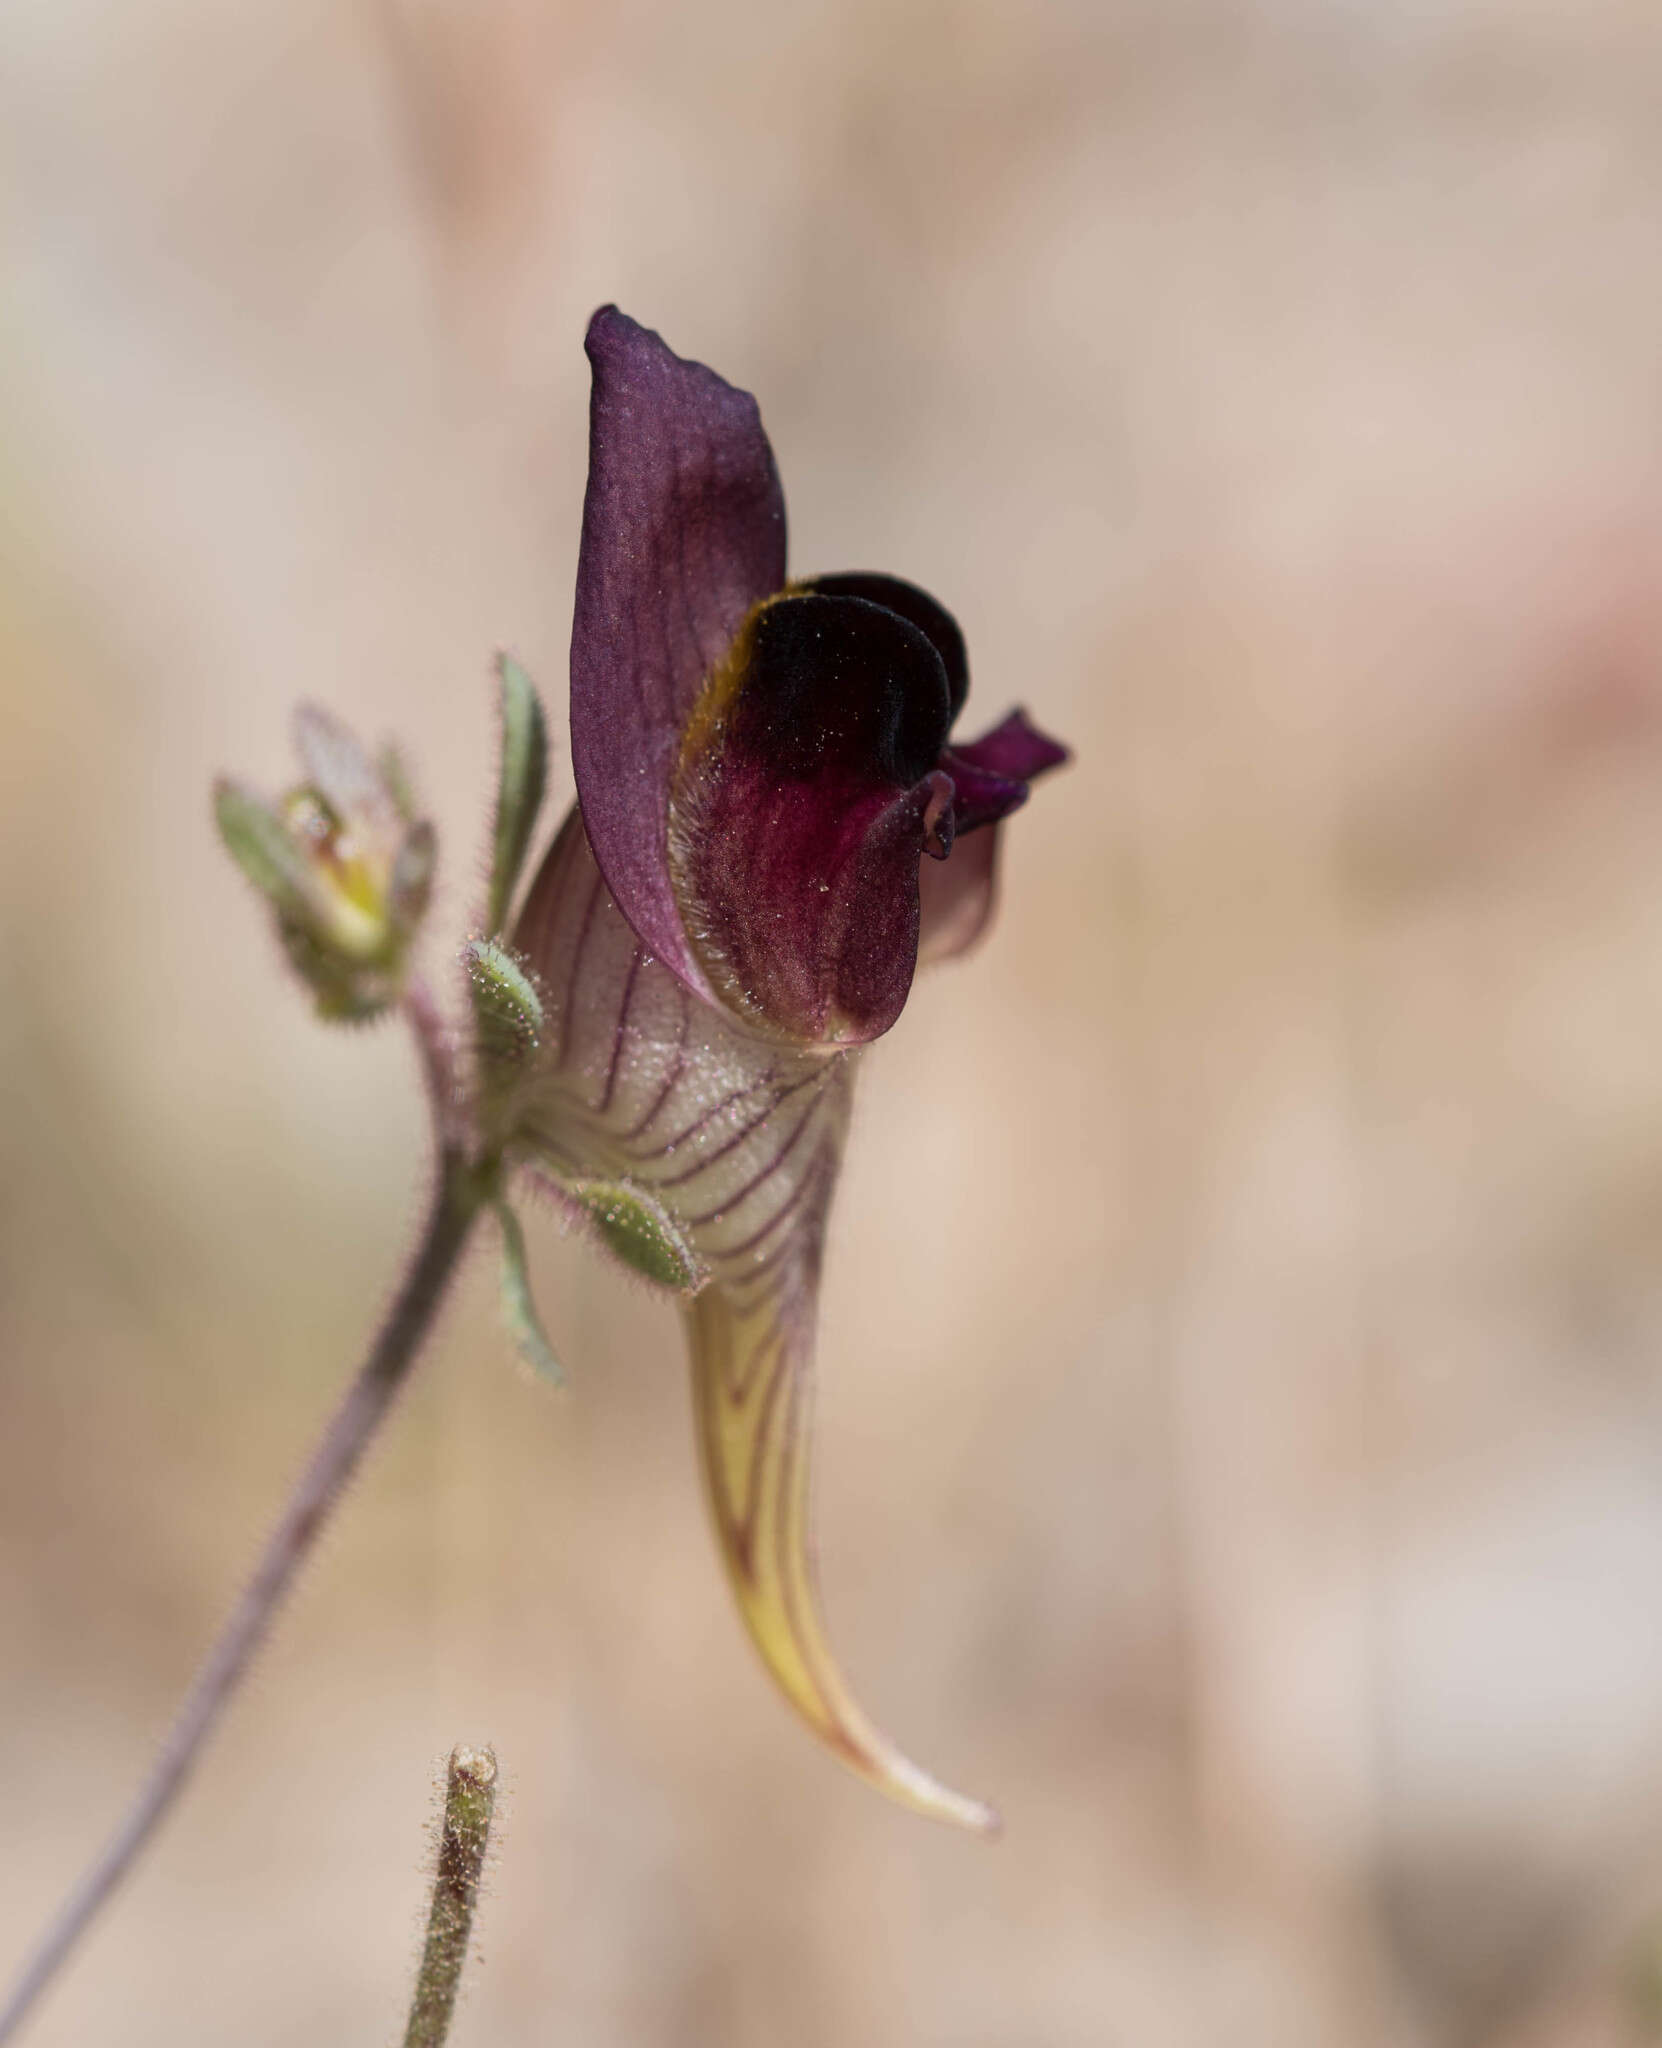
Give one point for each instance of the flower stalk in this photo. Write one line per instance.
(464, 1836)
(345, 868)
(461, 1191)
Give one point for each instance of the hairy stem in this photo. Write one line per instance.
(436, 1045)
(469, 1801)
(455, 1208)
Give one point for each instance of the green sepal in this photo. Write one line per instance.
(520, 785)
(519, 1309)
(506, 1007)
(260, 844)
(641, 1232)
(345, 991)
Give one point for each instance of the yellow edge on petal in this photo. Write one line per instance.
(751, 1394)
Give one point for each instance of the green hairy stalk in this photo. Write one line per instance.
(469, 1802)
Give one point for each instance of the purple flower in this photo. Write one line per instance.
(773, 828)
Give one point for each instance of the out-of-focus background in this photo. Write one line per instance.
(1241, 1426)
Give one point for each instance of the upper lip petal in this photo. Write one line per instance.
(683, 532)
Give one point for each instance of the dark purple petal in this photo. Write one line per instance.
(808, 791)
(1014, 751)
(989, 779)
(980, 799)
(956, 896)
(683, 533)
(918, 609)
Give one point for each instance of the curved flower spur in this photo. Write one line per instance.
(772, 829)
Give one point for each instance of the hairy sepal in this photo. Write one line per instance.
(522, 776)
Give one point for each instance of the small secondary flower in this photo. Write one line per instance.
(343, 861)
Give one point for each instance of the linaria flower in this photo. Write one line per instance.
(773, 827)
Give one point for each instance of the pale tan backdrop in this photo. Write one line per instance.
(1242, 1403)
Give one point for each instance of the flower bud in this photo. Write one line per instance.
(345, 865)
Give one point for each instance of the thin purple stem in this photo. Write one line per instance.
(436, 1044)
(461, 1193)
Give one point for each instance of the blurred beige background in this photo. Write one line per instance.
(1241, 1428)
